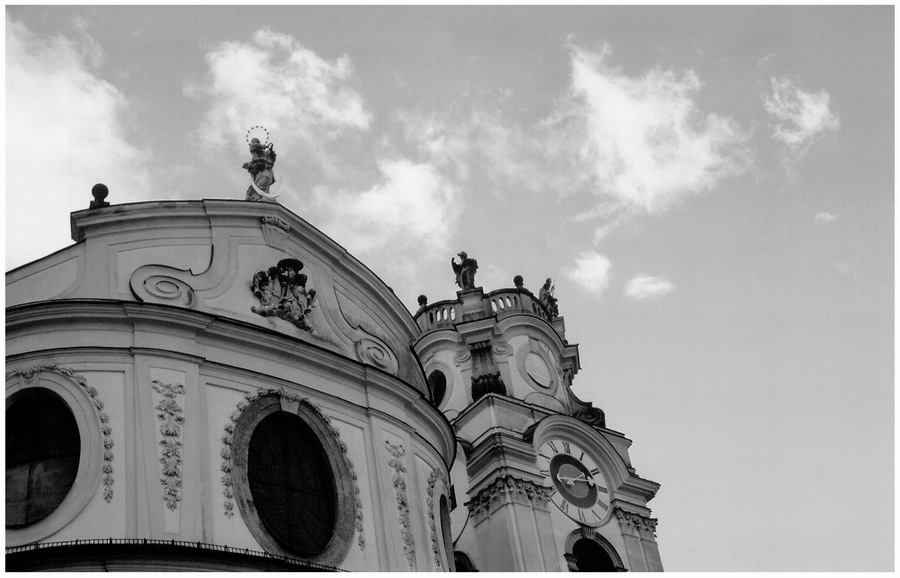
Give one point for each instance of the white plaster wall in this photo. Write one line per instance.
(100, 519)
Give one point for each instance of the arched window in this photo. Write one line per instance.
(592, 557)
(437, 383)
(463, 562)
(588, 551)
(43, 448)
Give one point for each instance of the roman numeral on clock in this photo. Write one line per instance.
(564, 507)
(567, 448)
(581, 515)
(545, 472)
(602, 505)
(553, 447)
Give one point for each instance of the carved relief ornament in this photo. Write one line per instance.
(396, 452)
(435, 477)
(171, 420)
(641, 524)
(508, 490)
(282, 293)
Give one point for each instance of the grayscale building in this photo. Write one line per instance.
(216, 384)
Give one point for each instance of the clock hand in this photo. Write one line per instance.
(581, 478)
(565, 480)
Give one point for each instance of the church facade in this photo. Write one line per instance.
(217, 384)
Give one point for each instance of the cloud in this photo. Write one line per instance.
(649, 288)
(591, 271)
(413, 207)
(275, 82)
(825, 217)
(65, 130)
(647, 144)
(798, 116)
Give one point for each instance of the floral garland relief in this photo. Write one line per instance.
(396, 452)
(226, 453)
(432, 524)
(171, 421)
(28, 374)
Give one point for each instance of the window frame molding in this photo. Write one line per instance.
(90, 461)
(253, 413)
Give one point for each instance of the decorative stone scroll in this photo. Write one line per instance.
(592, 416)
(282, 293)
(28, 374)
(396, 452)
(507, 490)
(171, 420)
(436, 476)
(226, 453)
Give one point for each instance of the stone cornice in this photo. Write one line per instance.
(639, 524)
(507, 490)
(279, 352)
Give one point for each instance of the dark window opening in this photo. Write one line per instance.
(463, 563)
(43, 447)
(292, 483)
(592, 557)
(437, 383)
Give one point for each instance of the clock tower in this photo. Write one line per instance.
(540, 483)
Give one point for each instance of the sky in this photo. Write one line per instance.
(710, 189)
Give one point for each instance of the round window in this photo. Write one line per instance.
(292, 483)
(292, 480)
(43, 449)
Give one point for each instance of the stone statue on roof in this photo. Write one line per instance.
(465, 271)
(260, 167)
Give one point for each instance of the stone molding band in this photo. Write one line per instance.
(508, 490)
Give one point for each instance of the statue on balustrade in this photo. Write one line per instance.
(545, 296)
(465, 271)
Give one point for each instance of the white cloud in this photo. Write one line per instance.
(825, 217)
(65, 131)
(413, 207)
(591, 271)
(798, 115)
(647, 144)
(275, 82)
(645, 287)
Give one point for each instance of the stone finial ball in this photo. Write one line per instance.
(423, 301)
(518, 280)
(100, 191)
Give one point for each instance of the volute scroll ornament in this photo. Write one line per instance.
(282, 293)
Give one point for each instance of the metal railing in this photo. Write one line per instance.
(177, 543)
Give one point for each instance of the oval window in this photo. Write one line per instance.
(292, 483)
(43, 447)
(437, 383)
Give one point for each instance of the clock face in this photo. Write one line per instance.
(580, 490)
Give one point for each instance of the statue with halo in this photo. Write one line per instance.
(260, 167)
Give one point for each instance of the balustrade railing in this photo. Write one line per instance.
(500, 303)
